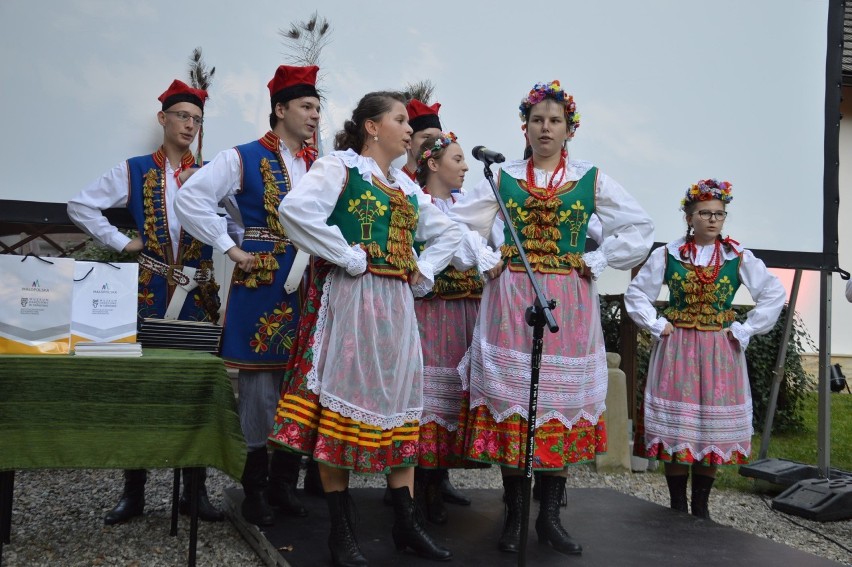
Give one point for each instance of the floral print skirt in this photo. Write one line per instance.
(556, 446)
(697, 407)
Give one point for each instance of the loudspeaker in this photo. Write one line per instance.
(779, 471)
(817, 499)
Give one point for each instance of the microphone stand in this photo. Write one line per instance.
(537, 316)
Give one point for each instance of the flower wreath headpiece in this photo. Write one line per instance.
(706, 190)
(554, 91)
(442, 141)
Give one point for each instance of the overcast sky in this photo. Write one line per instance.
(669, 91)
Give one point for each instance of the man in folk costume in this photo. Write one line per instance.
(175, 270)
(262, 317)
(424, 122)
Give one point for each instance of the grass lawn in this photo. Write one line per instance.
(802, 446)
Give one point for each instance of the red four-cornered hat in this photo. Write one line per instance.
(179, 91)
(421, 116)
(293, 82)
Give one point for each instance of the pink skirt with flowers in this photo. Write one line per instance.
(446, 327)
(697, 406)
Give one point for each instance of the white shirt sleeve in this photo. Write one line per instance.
(442, 237)
(643, 292)
(849, 290)
(198, 200)
(477, 209)
(306, 208)
(108, 191)
(626, 229)
(768, 294)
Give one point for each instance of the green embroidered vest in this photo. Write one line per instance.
(695, 305)
(382, 220)
(552, 230)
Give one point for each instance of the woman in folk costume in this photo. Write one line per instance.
(175, 270)
(424, 123)
(550, 200)
(697, 403)
(446, 318)
(262, 316)
(355, 398)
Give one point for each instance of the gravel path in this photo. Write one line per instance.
(58, 519)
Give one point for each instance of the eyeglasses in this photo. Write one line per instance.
(184, 116)
(716, 215)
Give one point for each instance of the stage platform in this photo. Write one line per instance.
(618, 531)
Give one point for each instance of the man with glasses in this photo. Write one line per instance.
(263, 310)
(175, 270)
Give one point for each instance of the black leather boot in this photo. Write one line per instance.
(408, 531)
(255, 509)
(313, 483)
(701, 486)
(536, 490)
(449, 492)
(677, 491)
(427, 493)
(342, 541)
(513, 498)
(132, 501)
(206, 511)
(548, 526)
(283, 478)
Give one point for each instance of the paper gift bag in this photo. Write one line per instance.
(35, 304)
(103, 306)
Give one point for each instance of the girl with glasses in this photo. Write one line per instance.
(697, 405)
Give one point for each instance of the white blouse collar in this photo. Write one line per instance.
(368, 168)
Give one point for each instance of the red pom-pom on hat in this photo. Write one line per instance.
(179, 91)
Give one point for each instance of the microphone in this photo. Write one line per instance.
(487, 156)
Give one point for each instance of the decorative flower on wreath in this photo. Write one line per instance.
(706, 190)
(441, 142)
(555, 92)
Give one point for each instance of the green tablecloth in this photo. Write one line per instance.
(165, 409)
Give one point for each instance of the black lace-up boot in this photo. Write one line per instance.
(408, 529)
(548, 526)
(342, 542)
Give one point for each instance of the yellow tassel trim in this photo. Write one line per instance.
(262, 274)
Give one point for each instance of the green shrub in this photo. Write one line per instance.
(93, 251)
(761, 355)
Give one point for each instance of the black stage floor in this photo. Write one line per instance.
(618, 530)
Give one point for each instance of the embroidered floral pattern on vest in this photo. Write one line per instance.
(542, 219)
(269, 330)
(366, 208)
